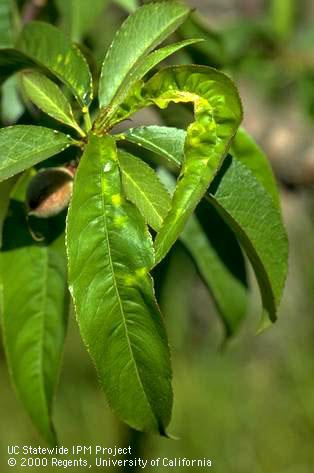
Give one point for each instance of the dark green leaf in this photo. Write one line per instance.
(139, 35)
(110, 253)
(228, 291)
(220, 262)
(245, 149)
(47, 96)
(47, 46)
(34, 299)
(176, 278)
(23, 146)
(250, 211)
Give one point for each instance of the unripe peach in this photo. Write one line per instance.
(49, 192)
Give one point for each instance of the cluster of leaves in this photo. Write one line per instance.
(125, 215)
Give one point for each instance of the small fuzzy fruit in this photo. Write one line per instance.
(49, 192)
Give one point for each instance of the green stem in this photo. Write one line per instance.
(87, 121)
(80, 131)
(79, 144)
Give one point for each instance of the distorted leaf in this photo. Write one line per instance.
(218, 113)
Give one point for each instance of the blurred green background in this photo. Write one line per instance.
(248, 405)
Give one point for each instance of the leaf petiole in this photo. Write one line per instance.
(80, 131)
(87, 120)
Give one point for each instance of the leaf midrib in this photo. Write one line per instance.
(119, 298)
(43, 312)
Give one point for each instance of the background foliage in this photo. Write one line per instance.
(251, 407)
